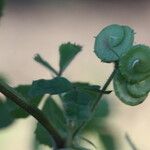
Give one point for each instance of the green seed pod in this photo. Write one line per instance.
(135, 64)
(112, 42)
(120, 87)
(139, 89)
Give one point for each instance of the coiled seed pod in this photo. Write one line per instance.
(124, 93)
(112, 42)
(139, 89)
(135, 64)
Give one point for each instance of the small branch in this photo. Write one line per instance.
(10, 93)
(104, 89)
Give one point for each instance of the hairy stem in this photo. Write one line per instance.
(35, 112)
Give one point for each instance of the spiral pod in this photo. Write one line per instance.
(112, 42)
(132, 81)
(124, 93)
(139, 89)
(135, 65)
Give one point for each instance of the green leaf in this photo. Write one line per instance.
(15, 110)
(87, 86)
(78, 104)
(96, 125)
(42, 135)
(44, 63)
(57, 85)
(57, 119)
(113, 42)
(67, 53)
(96, 121)
(102, 110)
(6, 118)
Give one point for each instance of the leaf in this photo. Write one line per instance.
(113, 42)
(6, 118)
(44, 63)
(94, 90)
(57, 85)
(57, 119)
(67, 53)
(102, 110)
(96, 121)
(78, 104)
(87, 86)
(96, 126)
(42, 135)
(15, 110)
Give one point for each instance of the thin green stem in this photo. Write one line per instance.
(35, 112)
(104, 89)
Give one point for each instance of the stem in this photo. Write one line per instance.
(35, 112)
(104, 89)
(96, 104)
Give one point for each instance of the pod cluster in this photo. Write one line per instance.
(132, 80)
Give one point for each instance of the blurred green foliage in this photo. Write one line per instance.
(76, 99)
